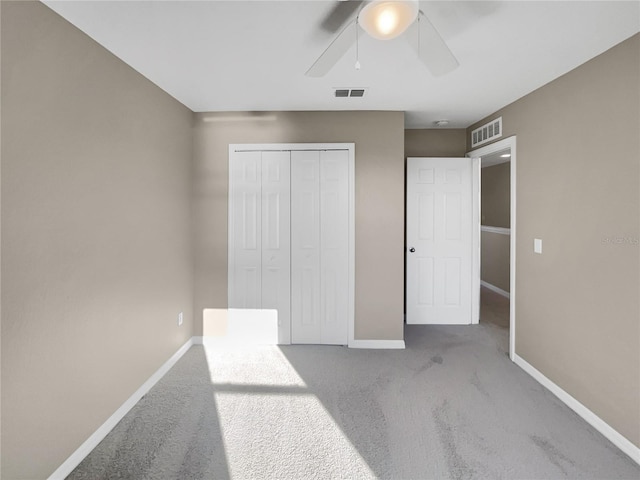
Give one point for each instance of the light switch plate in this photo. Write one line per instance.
(537, 245)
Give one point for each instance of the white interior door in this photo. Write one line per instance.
(319, 247)
(439, 241)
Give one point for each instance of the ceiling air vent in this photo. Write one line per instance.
(349, 92)
(487, 132)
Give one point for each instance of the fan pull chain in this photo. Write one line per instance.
(419, 20)
(357, 65)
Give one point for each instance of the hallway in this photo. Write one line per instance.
(494, 308)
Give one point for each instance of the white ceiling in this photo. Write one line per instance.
(252, 55)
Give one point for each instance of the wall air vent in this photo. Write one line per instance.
(349, 92)
(487, 132)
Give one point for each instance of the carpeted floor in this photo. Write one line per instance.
(451, 405)
(494, 308)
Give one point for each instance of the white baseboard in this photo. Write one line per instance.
(591, 418)
(377, 344)
(500, 230)
(92, 442)
(373, 344)
(493, 288)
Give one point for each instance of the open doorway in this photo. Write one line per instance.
(495, 230)
(496, 289)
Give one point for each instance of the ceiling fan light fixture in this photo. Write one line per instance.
(386, 19)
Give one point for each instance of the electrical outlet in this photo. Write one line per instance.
(180, 319)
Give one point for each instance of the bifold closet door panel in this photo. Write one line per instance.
(246, 187)
(276, 255)
(319, 247)
(334, 244)
(305, 247)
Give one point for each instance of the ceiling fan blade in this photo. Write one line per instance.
(340, 14)
(432, 49)
(334, 52)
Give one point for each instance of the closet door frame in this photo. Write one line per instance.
(290, 147)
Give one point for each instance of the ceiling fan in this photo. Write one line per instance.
(384, 20)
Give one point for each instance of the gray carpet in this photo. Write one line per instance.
(451, 405)
(494, 308)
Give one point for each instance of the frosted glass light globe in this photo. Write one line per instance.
(386, 19)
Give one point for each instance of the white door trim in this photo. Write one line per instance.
(509, 142)
(350, 147)
(475, 238)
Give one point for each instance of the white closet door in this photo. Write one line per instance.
(259, 267)
(305, 247)
(334, 241)
(245, 188)
(319, 247)
(276, 259)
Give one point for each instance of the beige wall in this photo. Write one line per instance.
(578, 169)
(379, 212)
(96, 252)
(96, 229)
(494, 259)
(435, 142)
(496, 195)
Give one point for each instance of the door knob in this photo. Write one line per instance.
(412, 249)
